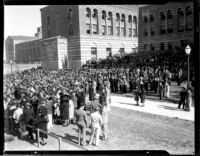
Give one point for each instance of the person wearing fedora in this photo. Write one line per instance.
(81, 120)
(96, 122)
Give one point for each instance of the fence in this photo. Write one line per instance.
(60, 140)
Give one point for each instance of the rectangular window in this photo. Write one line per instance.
(170, 28)
(129, 32)
(48, 20)
(94, 29)
(117, 31)
(93, 52)
(181, 24)
(162, 46)
(134, 32)
(169, 45)
(163, 29)
(188, 23)
(123, 31)
(152, 31)
(109, 30)
(88, 28)
(103, 30)
(108, 52)
(145, 32)
(121, 51)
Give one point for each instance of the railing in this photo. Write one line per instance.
(57, 137)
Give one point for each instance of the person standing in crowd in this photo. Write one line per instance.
(19, 120)
(96, 122)
(71, 110)
(41, 121)
(29, 116)
(49, 105)
(81, 120)
(183, 95)
(167, 88)
(161, 89)
(104, 113)
(65, 108)
(108, 96)
(91, 92)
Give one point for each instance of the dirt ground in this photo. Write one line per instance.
(132, 130)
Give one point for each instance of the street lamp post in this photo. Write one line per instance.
(188, 50)
(11, 65)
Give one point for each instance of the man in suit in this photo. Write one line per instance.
(81, 120)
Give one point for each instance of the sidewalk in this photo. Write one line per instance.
(160, 108)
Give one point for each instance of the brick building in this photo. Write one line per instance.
(28, 52)
(165, 27)
(92, 31)
(10, 43)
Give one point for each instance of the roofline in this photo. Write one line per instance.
(54, 37)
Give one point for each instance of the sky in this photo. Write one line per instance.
(21, 20)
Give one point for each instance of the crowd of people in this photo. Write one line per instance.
(40, 98)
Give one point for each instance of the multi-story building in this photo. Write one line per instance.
(10, 43)
(28, 52)
(92, 31)
(166, 27)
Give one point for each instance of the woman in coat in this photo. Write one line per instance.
(91, 93)
(65, 110)
(41, 122)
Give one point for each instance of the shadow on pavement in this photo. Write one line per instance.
(131, 104)
(168, 107)
(157, 99)
(67, 137)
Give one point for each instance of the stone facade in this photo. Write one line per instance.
(93, 31)
(167, 26)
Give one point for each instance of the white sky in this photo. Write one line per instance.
(21, 20)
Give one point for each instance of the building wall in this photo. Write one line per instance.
(60, 20)
(102, 42)
(79, 41)
(28, 52)
(9, 47)
(174, 38)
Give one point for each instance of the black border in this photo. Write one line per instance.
(137, 2)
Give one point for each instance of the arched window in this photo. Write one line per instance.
(134, 26)
(108, 50)
(88, 21)
(110, 23)
(151, 18)
(95, 22)
(162, 23)
(123, 29)
(129, 26)
(169, 14)
(117, 24)
(162, 16)
(188, 18)
(169, 21)
(180, 20)
(104, 22)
